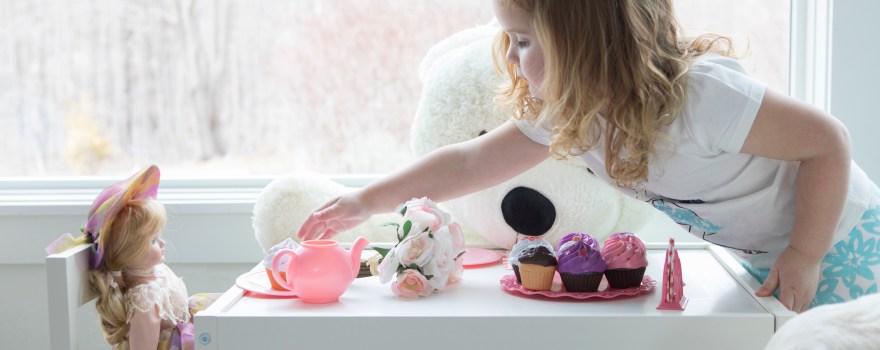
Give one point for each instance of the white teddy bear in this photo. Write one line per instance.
(854, 324)
(284, 204)
(456, 104)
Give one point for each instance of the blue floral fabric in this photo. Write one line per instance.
(851, 267)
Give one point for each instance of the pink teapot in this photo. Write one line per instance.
(319, 271)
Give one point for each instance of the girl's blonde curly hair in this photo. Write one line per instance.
(623, 58)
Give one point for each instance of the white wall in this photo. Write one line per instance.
(855, 78)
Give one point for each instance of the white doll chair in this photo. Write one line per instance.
(67, 279)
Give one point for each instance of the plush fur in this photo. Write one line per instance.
(284, 204)
(851, 325)
(456, 104)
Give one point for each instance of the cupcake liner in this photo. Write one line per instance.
(537, 277)
(581, 282)
(516, 272)
(625, 278)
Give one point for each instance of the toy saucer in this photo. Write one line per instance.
(258, 282)
(477, 257)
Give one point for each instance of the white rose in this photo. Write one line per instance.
(443, 261)
(417, 248)
(388, 267)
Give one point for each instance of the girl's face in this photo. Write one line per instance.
(524, 51)
(155, 255)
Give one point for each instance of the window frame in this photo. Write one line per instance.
(39, 210)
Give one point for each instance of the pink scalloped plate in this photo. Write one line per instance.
(557, 290)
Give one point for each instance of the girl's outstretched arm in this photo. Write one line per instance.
(448, 172)
(787, 129)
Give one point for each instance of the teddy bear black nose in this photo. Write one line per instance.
(528, 212)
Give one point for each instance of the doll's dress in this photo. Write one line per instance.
(167, 293)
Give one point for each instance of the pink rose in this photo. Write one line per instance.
(425, 213)
(410, 284)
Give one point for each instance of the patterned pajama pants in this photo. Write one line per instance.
(851, 267)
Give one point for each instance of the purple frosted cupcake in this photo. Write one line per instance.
(580, 263)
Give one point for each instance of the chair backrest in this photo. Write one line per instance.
(67, 279)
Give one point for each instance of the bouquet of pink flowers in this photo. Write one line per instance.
(428, 255)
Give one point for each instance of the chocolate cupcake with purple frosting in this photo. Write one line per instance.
(580, 263)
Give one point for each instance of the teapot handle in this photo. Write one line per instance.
(287, 283)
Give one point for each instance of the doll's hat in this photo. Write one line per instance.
(142, 185)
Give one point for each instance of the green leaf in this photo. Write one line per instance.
(403, 210)
(406, 227)
(414, 266)
(428, 277)
(382, 251)
(396, 225)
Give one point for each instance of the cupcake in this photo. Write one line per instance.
(282, 266)
(580, 262)
(513, 256)
(537, 266)
(625, 260)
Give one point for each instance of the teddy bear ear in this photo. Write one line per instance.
(449, 46)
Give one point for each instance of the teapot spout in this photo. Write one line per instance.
(356, 248)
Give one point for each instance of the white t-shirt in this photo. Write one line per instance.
(701, 181)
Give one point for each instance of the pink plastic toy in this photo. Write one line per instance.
(673, 287)
(320, 270)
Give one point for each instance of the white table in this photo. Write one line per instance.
(722, 313)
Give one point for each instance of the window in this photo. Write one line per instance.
(235, 88)
(215, 87)
(759, 29)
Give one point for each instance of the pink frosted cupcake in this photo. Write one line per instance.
(626, 259)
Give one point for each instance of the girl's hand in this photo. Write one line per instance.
(796, 275)
(337, 215)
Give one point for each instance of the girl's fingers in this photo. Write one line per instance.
(770, 284)
(311, 228)
(787, 300)
(306, 228)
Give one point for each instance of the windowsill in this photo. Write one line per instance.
(209, 219)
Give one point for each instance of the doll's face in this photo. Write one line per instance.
(524, 51)
(156, 253)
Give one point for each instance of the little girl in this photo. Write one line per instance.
(141, 302)
(670, 121)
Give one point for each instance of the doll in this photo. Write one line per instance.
(142, 304)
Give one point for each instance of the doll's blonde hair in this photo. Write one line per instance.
(625, 57)
(125, 243)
